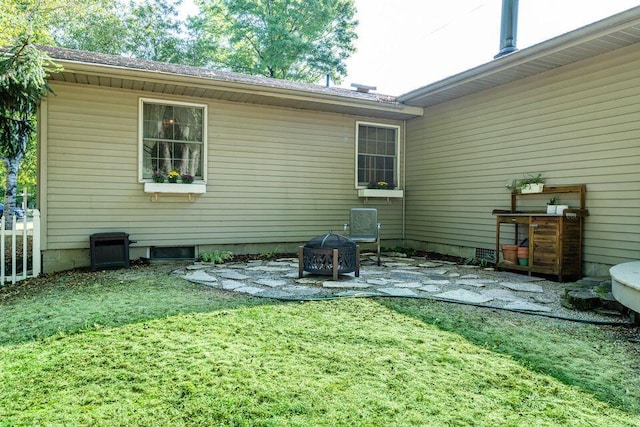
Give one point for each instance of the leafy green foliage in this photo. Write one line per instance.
(216, 257)
(482, 262)
(23, 83)
(153, 31)
(286, 39)
(148, 29)
(270, 254)
(44, 21)
(529, 179)
(23, 73)
(100, 27)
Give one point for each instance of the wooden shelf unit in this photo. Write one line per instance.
(555, 240)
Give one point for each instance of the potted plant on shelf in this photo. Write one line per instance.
(173, 176)
(381, 185)
(157, 177)
(530, 184)
(187, 179)
(551, 205)
(381, 189)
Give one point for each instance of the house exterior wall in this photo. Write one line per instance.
(276, 177)
(576, 124)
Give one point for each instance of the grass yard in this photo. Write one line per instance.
(142, 347)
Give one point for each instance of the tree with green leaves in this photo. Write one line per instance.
(154, 31)
(23, 83)
(302, 40)
(148, 29)
(43, 21)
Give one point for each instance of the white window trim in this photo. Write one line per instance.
(398, 165)
(205, 149)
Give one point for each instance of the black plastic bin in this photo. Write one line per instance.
(109, 250)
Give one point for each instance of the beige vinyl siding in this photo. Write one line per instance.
(576, 124)
(275, 175)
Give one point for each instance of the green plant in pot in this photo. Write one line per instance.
(530, 184)
(157, 177)
(551, 205)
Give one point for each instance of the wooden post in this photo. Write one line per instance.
(36, 266)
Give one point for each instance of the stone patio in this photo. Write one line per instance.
(398, 276)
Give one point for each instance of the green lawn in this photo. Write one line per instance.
(141, 347)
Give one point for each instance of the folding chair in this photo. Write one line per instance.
(363, 227)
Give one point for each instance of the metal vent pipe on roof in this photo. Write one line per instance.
(508, 27)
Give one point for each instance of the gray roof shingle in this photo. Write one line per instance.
(223, 76)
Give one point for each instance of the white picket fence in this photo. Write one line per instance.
(21, 230)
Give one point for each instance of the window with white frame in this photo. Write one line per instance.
(377, 148)
(173, 138)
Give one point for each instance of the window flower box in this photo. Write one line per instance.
(385, 194)
(170, 188)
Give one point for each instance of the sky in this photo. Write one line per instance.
(406, 44)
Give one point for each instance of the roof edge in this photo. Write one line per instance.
(102, 65)
(528, 54)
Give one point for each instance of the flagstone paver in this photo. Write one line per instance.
(347, 285)
(232, 284)
(267, 268)
(272, 283)
(509, 276)
(406, 271)
(358, 294)
(436, 272)
(500, 294)
(464, 295)
(249, 290)
(233, 275)
(477, 283)
(200, 276)
(522, 287)
(398, 292)
(430, 264)
(408, 285)
(381, 282)
(308, 281)
(277, 294)
(301, 290)
(430, 288)
(398, 264)
(436, 281)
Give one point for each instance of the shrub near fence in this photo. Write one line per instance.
(20, 247)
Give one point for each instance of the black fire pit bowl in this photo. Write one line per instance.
(329, 254)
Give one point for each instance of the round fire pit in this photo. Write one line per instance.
(329, 254)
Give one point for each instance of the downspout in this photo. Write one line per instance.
(404, 181)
